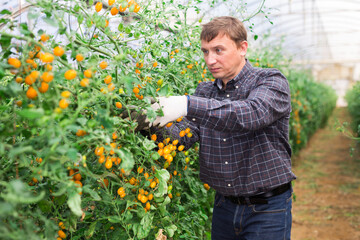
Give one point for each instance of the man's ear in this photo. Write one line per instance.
(243, 48)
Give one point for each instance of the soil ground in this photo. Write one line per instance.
(327, 189)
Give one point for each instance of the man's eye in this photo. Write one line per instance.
(205, 51)
(218, 50)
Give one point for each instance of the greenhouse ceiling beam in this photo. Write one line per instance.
(315, 12)
(294, 2)
(322, 62)
(319, 32)
(289, 23)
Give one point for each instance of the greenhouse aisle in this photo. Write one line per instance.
(327, 190)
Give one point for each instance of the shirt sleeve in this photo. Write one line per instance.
(268, 101)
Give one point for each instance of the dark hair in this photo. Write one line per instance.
(226, 25)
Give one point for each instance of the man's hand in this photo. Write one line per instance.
(138, 116)
(173, 107)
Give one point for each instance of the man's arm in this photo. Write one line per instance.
(269, 101)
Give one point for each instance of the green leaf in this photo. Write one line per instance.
(6, 208)
(31, 113)
(256, 37)
(121, 27)
(135, 228)
(54, 140)
(82, 121)
(45, 206)
(170, 230)
(61, 199)
(74, 203)
(145, 226)
(91, 229)
(163, 176)
(127, 162)
(95, 196)
(72, 154)
(128, 216)
(5, 12)
(25, 30)
(151, 114)
(80, 19)
(77, 8)
(164, 90)
(5, 41)
(148, 144)
(18, 192)
(33, 14)
(2, 148)
(4, 21)
(114, 219)
(51, 22)
(129, 83)
(19, 150)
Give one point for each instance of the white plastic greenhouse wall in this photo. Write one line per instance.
(321, 35)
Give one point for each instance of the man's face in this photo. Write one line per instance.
(223, 58)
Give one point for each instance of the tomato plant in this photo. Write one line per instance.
(352, 98)
(62, 96)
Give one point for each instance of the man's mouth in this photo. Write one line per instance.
(214, 70)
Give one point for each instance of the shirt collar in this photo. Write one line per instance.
(244, 71)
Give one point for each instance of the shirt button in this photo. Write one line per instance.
(226, 162)
(193, 119)
(228, 95)
(237, 87)
(224, 139)
(229, 185)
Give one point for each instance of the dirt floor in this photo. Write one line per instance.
(327, 190)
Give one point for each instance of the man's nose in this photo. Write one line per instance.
(211, 59)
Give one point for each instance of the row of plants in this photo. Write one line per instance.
(71, 167)
(312, 102)
(353, 100)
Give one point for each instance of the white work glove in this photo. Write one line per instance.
(173, 107)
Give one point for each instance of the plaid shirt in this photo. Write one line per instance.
(243, 132)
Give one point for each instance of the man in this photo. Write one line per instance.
(242, 123)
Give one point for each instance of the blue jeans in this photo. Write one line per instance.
(270, 221)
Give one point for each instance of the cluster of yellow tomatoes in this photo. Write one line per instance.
(36, 71)
(61, 233)
(121, 7)
(297, 105)
(109, 158)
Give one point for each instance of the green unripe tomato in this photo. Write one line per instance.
(127, 30)
(160, 82)
(131, 8)
(91, 123)
(124, 4)
(77, 8)
(155, 156)
(121, 27)
(120, 57)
